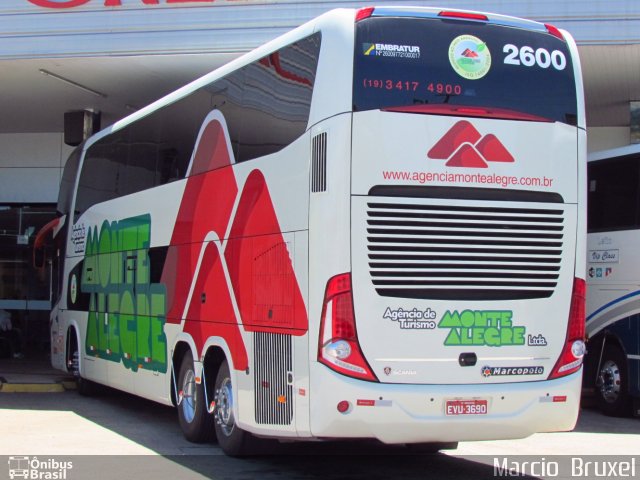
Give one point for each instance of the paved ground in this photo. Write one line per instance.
(116, 423)
(32, 373)
(146, 438)
(115, 435)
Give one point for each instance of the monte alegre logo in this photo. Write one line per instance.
(127, 310)
(464, 146)
(469, 57)
(493, 328)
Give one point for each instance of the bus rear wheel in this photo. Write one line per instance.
(84, 387)
(196, 423)
(232, 439)
(612, 386)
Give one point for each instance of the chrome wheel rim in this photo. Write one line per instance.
(610, 381)
(189, 396)
(224, 407)
(73, 365)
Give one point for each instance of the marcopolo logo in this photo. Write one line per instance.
(464, 146)
(493, 328)
(469, 57)
(33, 468)
(390, 50)
(509, 371)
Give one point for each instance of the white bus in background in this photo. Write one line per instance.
(613, 262)
(371, 227)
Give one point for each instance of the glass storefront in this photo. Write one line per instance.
(25, 291)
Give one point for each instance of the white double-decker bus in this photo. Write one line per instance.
(370, 227)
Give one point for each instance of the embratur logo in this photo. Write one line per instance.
(391, 50)
(464, 146)
(368, 48)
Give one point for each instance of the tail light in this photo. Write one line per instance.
(338, 347)
(554, 31)
(464, 111)
(364, 13)
(464, 15)
(574, 348)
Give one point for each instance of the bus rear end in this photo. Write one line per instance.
(462, 317)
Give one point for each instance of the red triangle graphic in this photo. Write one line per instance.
(469, 54)
(461, 132)
(467, 156)
(493, 150)
(211, 150)
(216, 317)
(260, 267)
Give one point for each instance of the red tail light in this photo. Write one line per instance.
(463, 111)
(464, 15)
(554, 31)
(573, 351)
(338, 347)
(364, 13)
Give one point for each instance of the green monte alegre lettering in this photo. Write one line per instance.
(493, 328)
(127, 312)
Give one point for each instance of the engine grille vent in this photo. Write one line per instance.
(273, 380)
(319, 163)
(464, 252)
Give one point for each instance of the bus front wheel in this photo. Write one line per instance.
(196, 423)
(612, 387)
(232, 439)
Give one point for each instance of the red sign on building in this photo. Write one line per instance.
(115, 3)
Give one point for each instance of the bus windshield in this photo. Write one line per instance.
(441, 66)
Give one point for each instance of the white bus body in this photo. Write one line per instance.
(375, 232)
(614, 283)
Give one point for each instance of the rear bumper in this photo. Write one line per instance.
(394, 413)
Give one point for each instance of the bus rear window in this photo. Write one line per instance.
(440, 64)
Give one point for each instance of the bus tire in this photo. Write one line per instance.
(431, 447)
(196, 423)
(612, 386)
(84, 387)
(232, 439)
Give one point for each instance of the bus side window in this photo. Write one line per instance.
(168, 169)
(613, 195)
(277, 98)
(266, 104)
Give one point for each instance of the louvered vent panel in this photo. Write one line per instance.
(464, 252)
(319, 163)
(273, 390)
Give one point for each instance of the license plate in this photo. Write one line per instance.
(466, 407)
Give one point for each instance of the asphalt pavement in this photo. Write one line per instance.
(116, 435)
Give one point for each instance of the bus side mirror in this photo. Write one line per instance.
(39, 257)
(39, 247)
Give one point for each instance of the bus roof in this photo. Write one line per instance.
(435, 12)
(338, 15)
(614, 152)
